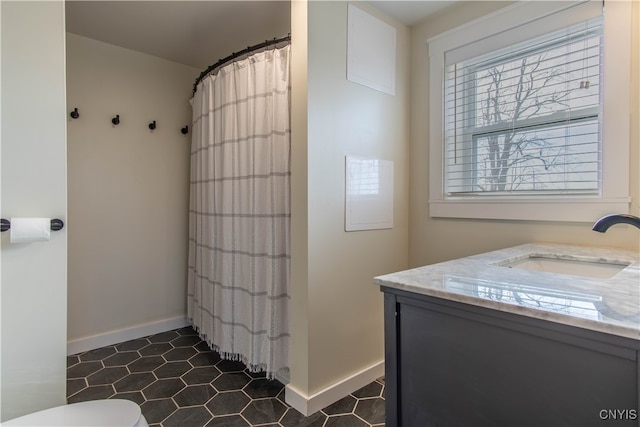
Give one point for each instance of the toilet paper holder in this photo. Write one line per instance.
(56, 224)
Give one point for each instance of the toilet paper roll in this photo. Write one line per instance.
(24, 230)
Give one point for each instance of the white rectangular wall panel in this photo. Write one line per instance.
(371, 51)
(369, 194)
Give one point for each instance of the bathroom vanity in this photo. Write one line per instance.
(536, 335)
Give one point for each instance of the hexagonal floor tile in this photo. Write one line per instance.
(228, 421)
(72, 360)
(146, 364)
(192, 417)
(255, 375)
(155, 411)
(342, 406)
(107, 375)
(202, 346)
(186, 341)
(194, 395)
(97, 354)
(132, 345)
(230, 402)
(294, 418)
(201, 375)
(264, 411)
(134, 382)
(178, 380)
(75, 385)
(134, 396)
(187, 330)
(163, 388)
(371, 410)
(262, 387)
(172, 369)
(163, 337)
(155, 349)
(83, 369)
(230, 366)
(121, 359)
(373, 389)
(93, 393)
(345, 421)
(230, 381)
(207, 358)
(180, 353)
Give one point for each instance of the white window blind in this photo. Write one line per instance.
(526, 119)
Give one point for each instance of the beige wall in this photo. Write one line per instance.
(128, 187)
(437, 239)
(299, 307)
(337, 316)
(33, 294)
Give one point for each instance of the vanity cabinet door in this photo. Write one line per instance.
(460, 365)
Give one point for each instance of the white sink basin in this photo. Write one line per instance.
(550, 264)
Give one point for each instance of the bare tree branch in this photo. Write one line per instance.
(529, 94)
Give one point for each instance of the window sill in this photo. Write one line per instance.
(576, 210)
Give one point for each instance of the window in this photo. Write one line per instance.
(526, 119)
(519, 122)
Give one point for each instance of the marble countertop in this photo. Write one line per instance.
(610, 305)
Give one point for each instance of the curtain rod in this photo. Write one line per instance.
(235, 55)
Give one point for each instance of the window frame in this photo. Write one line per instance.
(534, 18)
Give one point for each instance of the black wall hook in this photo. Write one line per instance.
(185, 130)
(152, 125)
(75, 114)
(116, 119)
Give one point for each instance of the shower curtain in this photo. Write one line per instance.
(239, 216)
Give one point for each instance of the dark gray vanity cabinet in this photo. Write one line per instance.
(453, 364)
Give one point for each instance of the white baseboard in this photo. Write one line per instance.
(121, 335)
(308, 405)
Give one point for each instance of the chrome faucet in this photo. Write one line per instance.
(605, 222)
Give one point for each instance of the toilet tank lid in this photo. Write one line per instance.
(93, 413)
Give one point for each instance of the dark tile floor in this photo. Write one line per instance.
(178, 381)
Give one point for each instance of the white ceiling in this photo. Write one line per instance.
(199, 33)
(196, 33)
(412, 11)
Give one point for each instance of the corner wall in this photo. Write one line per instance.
(33, 294)
(128, 193)
(299, 305)
(338, 311)
(439, 239)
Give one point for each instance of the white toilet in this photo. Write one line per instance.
(94, 413)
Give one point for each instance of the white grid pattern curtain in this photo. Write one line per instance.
(239, 218)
